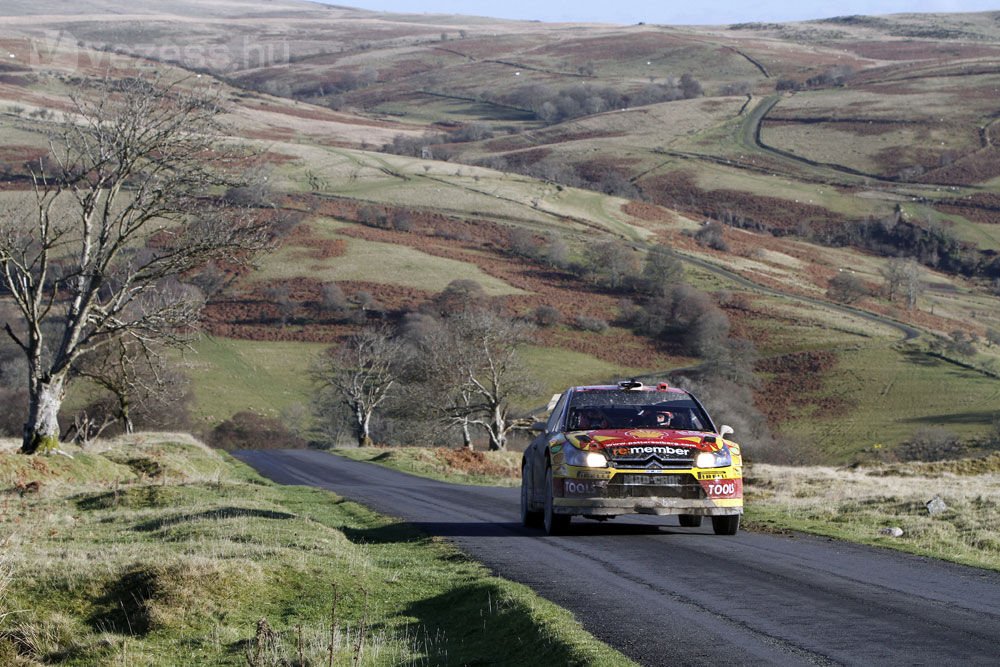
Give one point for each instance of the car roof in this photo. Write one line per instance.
(661, 387)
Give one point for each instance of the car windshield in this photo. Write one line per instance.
(619, 409)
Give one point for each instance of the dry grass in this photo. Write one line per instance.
(856, 503)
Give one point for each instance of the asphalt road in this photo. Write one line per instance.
(666, 595)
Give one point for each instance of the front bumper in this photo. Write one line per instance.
(610, 492)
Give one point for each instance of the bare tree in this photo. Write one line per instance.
(432, 374)
(361, 373)
(125, 203)
(661, 270)
(492, 372)
(903, 278)
(992, 337)
(136, 377)
(464, 370)
(281, 298)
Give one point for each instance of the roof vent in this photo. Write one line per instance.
(630, 384)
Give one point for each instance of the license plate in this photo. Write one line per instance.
(648, 480)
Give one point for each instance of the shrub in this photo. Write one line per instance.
(593, 324)
(332, 298)
(846, 287)
(249, 430)
(962, 343)
(373, 216)
(711, 236)
(546, 316)
(931, 444)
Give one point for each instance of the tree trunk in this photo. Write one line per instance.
(498, 435)
(364, 436)
(41, 431)
(124, 412)
(466, 437)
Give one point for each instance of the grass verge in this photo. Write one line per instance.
(857, 504)
(160, 551)
(458, 466)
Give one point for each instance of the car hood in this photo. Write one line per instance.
(605, 439)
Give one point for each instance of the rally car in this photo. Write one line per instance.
(631, 448)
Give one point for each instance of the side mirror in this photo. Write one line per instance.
(725, 430)
(539, 427)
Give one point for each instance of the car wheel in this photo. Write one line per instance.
(529, 518)
(689, 520)
(554, 523)
(726, 525)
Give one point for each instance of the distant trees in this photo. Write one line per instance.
(992, 337)
(690, 87)
(546, 316)
(963, 343)
(123, 208)
(430, 143)
(549, 249)
(456, 364)
(836, 75)
(682, 316)
(554, 105)
(737, 88)
(932, 443)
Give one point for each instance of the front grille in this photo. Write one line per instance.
(659, 461)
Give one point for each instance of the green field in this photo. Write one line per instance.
(377, 262)
(557, 369)
(884, 395)
(231, 376)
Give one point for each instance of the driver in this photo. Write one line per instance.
(664, 419)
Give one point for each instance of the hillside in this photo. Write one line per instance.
(437, 144)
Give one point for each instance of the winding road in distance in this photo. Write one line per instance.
(666, 595)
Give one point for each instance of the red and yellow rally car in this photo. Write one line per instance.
(631, 449)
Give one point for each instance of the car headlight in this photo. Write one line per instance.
(719, 459)
(582, 459)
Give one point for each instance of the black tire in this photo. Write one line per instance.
(554, 524)
(529, 518)
(689, 520)
(726, 525)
